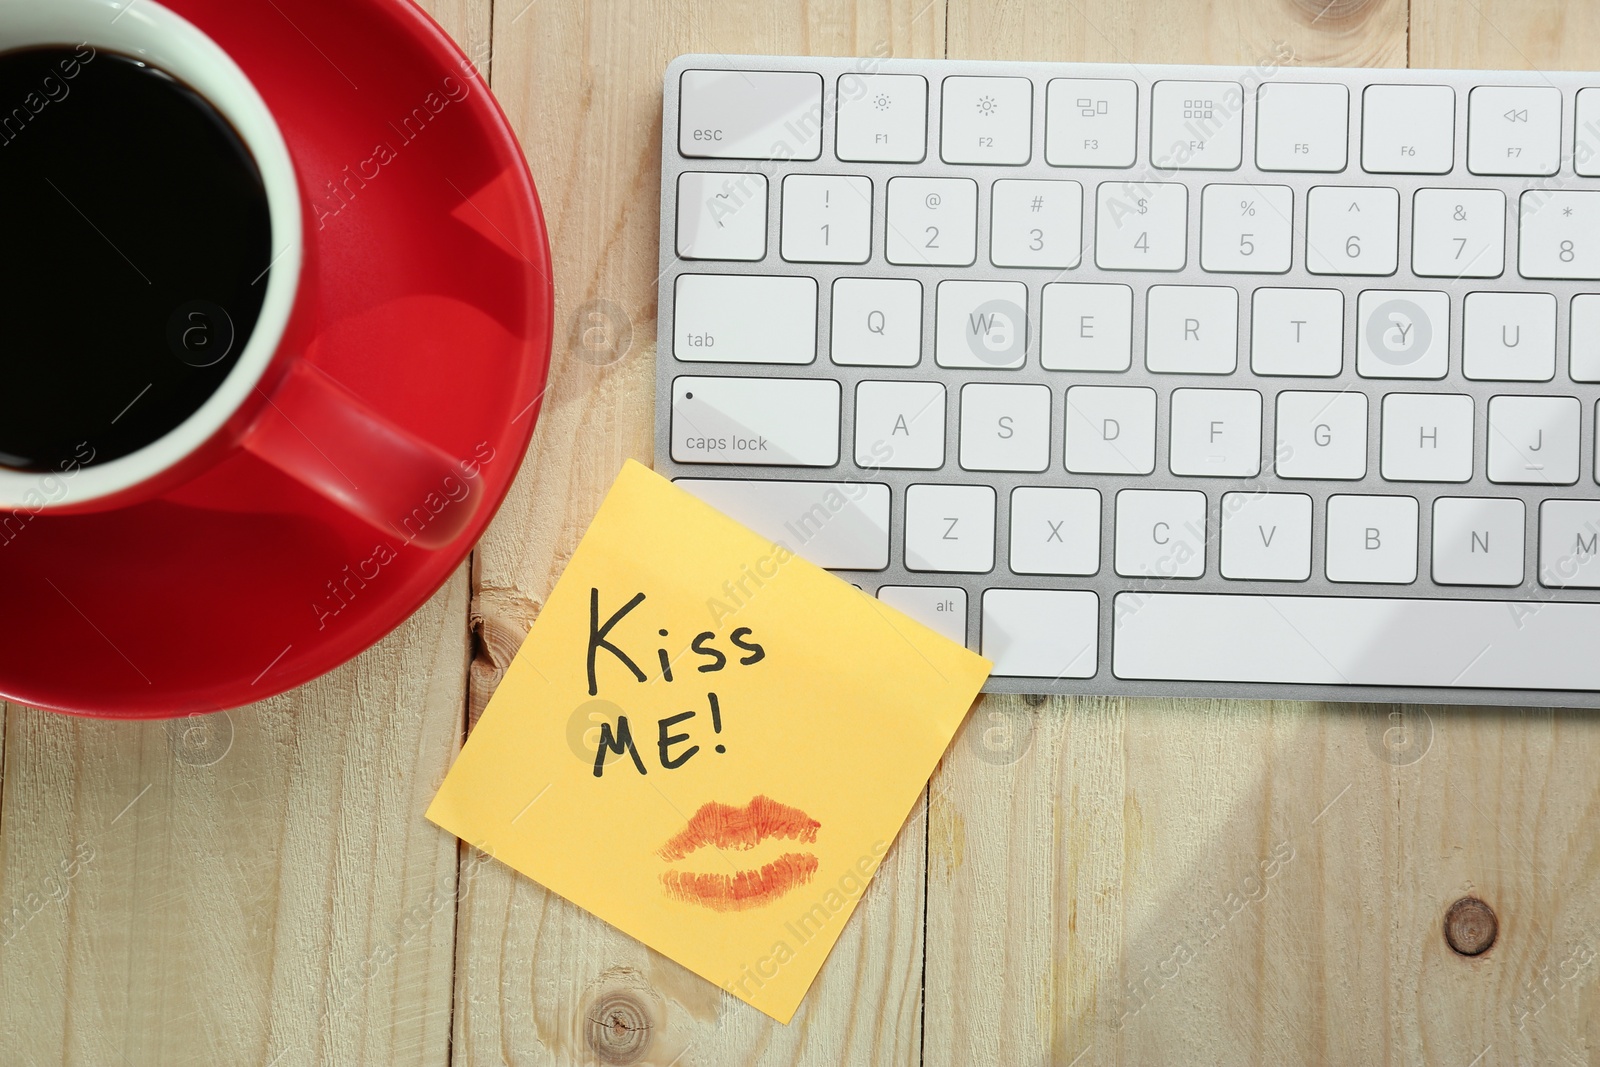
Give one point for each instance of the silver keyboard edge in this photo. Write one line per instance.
(1106, 583)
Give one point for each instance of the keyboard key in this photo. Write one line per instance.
(1427, 437)
(1458, 233)
(1509, 337)
(1192, 329)
(842, 525)
(1302, 126)
(722, 215)
(1110, 430)
(1087, 326)
(981, 324)
(776, 421)
(744, 318)
(942, 609)
(1402, 334)
(1569, 544)
(750, 114)
(1091, 122)
(987, 120)
(1352, 230)
(1196, 125)
(1036, 224)
(877, 322)
(1005, 427)
(950, 528)
(883, 118)
(1141, 226)
(1372, 539)
(1321, 435)
(1514, 129)
(1586, 140)
(1266, 536)
(1246, 228)
(1055, 531)
(1559, 234)
(827, 218)
(1216, 433)
(900, 425)
(1584, 339)
(1352, 641)
(1041, 633)
(1533, 440)
(932, 222)
(1161, 533)
(1408, 129)
(1297, 332)
(1477, 541)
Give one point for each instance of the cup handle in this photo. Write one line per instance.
(323, 436)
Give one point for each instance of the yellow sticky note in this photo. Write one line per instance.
(708, 742)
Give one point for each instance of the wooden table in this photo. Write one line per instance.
(1088, 882)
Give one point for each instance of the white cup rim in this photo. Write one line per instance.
(148, 31)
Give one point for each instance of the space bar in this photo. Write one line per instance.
(1475, 644)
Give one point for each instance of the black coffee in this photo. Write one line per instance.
(133, 257)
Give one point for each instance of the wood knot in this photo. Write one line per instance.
(618, 1028)
(500, 620)
(500, 632)
(1326, 12)
(1470, 926)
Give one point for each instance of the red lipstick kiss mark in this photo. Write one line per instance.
(727, 827)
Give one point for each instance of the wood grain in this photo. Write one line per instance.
(1353, 33)
(243, 886)
(1537, 35)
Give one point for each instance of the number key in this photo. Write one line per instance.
(1557, 234)
(827, 218)
(1458, 233)
(1141, 226)
(1352, 230)
(1036, 224)
(1246, 228)
(932, 221)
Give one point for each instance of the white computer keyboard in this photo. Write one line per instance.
(1162, 380)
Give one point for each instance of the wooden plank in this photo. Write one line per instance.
(1508, 815)
(1354, 33)
(248, 885)
(1155, 882)
(257, 886)
(1493, 34)
(582, 84)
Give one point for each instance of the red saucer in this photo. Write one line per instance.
(433, 283)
